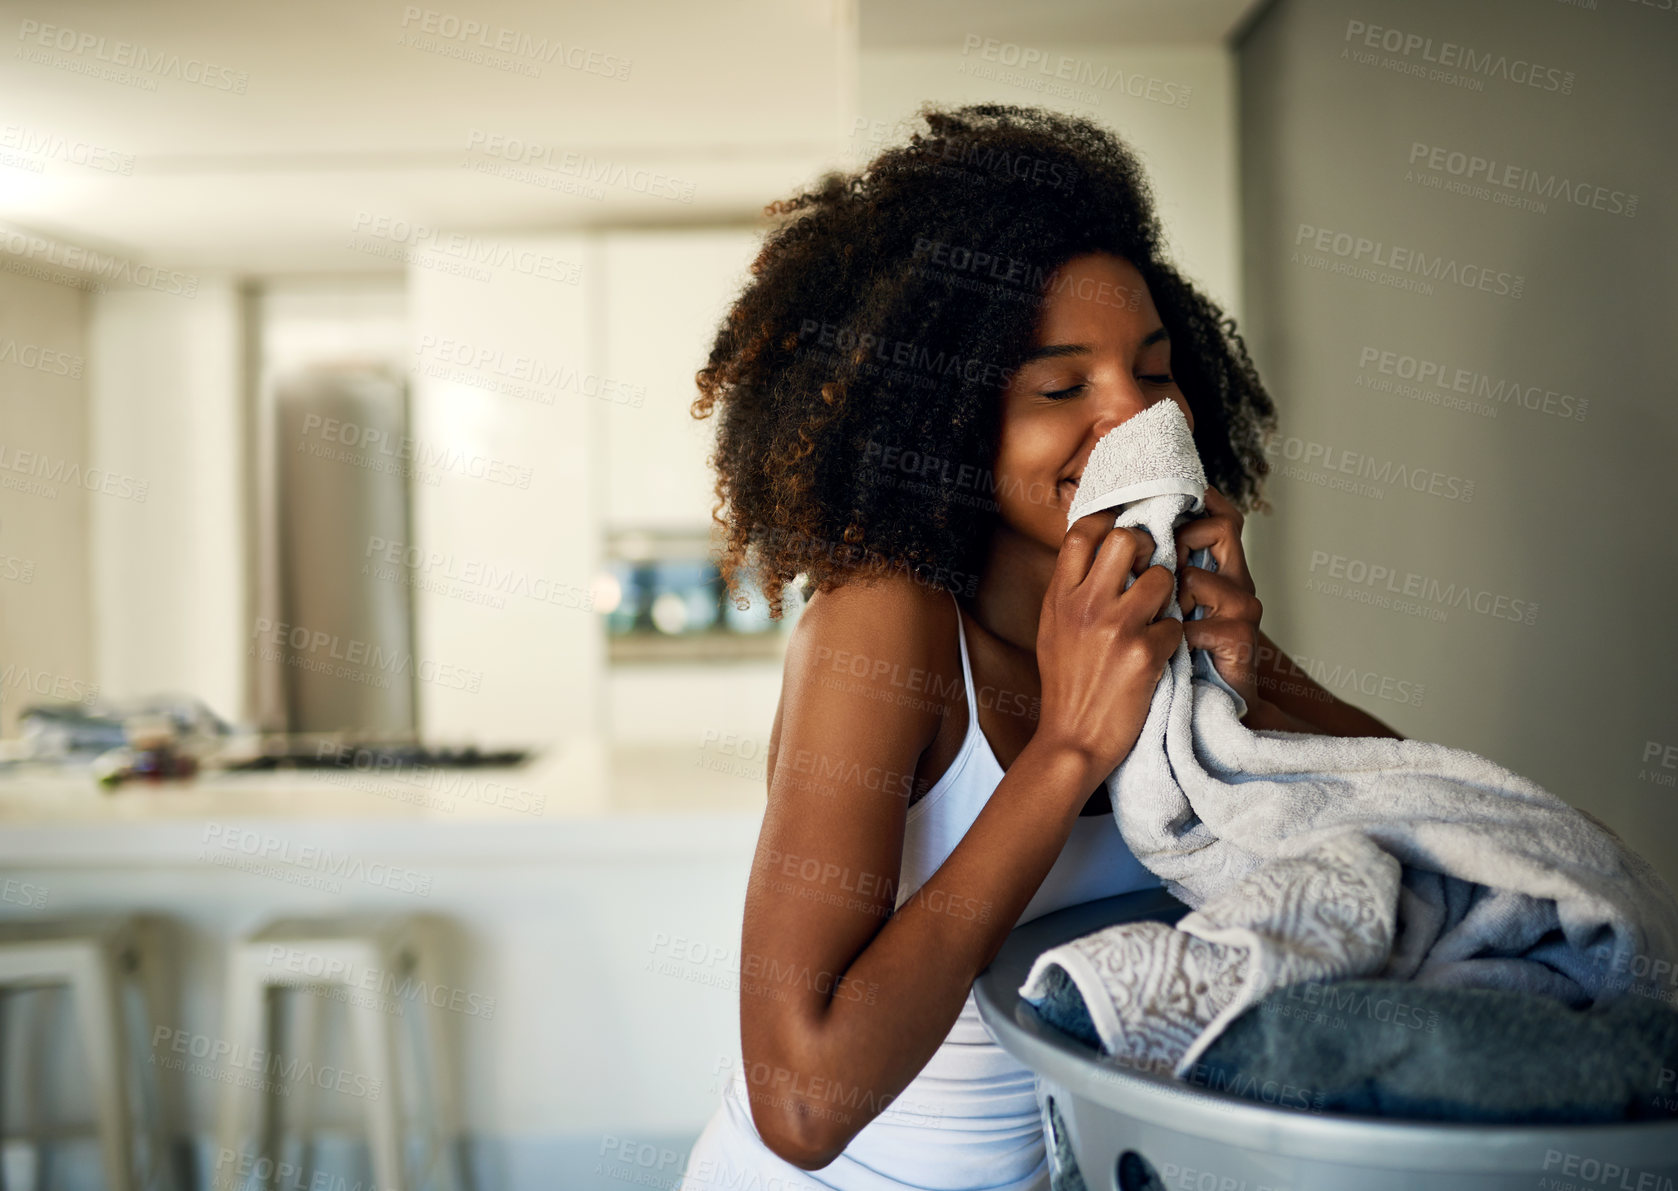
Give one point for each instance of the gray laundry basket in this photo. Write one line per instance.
(1132, 1131)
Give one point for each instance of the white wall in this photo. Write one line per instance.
(664, 295)
(46, 654)
(166, 400)
(1565, 422)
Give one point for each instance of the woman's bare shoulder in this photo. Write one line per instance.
(879, 637)
(891, 609)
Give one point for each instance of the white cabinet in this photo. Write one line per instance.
(664, 296)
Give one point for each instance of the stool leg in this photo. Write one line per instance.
(439, 1071)
(374, 1038)
(243, 1028)
(307, 1005)
(98, 1013)
(157, 992)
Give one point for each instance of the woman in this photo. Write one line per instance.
(908, 390)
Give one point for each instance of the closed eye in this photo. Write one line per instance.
(1073, 391)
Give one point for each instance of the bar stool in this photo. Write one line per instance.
(351, 952)
(99, 960)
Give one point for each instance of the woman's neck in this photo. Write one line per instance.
(1013, 581)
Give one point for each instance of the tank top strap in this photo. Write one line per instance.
(966, 670)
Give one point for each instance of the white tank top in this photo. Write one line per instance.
(971, 1119)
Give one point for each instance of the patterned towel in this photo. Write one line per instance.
(1320, 858)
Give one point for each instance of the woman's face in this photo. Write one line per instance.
(1100, 356)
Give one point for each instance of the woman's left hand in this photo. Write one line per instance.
(1230, 629)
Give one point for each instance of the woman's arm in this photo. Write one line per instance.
(1292, 701)
(842, 1001)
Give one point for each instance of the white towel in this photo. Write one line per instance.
(1314, 857)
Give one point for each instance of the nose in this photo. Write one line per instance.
(1120, 402)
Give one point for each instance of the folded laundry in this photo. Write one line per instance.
(1322, 858)
(1478, 1055)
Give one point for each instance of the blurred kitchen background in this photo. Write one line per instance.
(355, 536)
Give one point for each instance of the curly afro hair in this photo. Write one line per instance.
(890, 306)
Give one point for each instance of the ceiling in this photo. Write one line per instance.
(322, 121)
(895, 24)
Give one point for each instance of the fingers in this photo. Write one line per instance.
(1221, 506)
(1218, 594)
(1233, 649)
(1163, 637)
(1083, 538)
(1148, 596)
(1125, 551)
(1229, 639)
(1220, 530)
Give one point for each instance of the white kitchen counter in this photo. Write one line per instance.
(644, 799)
(594, 897)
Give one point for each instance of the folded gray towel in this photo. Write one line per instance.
(1454, 1054)
(1312, 857)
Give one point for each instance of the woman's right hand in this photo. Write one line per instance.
(1100, 650)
